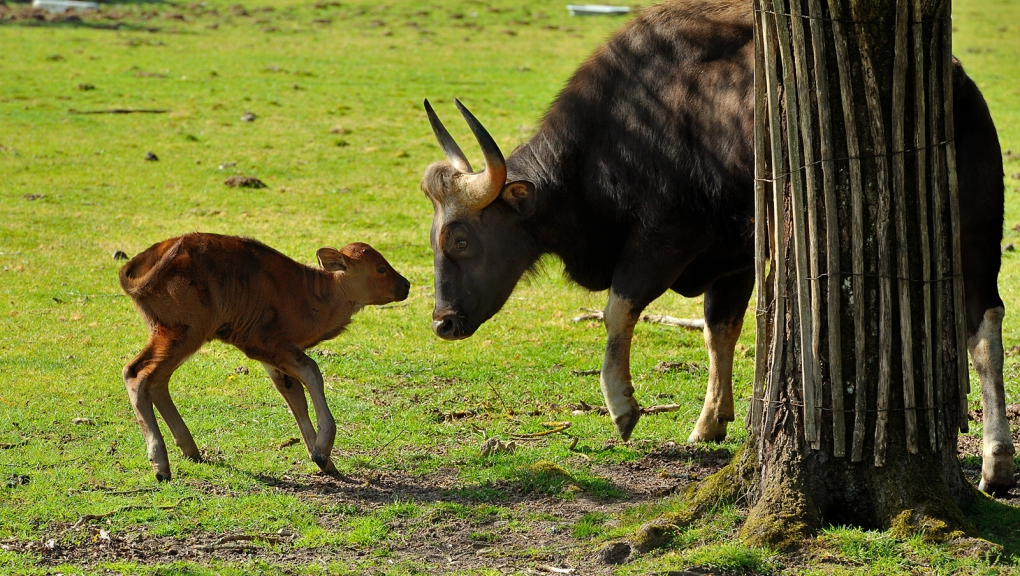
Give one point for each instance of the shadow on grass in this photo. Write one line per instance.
(999, 523)
(503, 480)
(75, 23)
(25, 3)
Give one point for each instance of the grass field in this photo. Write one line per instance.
(341, 140)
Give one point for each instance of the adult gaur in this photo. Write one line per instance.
(640, 179)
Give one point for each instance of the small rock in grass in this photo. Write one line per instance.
(120, 255)
(241, 370)
(244, 182)
(1008, 247)
(494, 446)
(85, 87)
(248, 116)
(33, 196)
(18, 480)
(151, 157)
(88, 421)
(614, 553)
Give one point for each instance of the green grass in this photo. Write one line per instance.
(341, 140)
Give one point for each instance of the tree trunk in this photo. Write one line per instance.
(860, 382)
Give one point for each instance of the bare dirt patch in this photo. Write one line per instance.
(533, 530)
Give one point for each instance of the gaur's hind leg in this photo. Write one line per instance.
(997, 449)
(147, 378)
(725, 303)
(984, 341)
(294, 394)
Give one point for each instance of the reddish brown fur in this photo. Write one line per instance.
(200, 287)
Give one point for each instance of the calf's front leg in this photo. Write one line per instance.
(294, 394)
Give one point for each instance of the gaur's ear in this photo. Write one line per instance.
(331, 260)
(521, 195)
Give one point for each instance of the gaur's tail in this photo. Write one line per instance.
(138, 275)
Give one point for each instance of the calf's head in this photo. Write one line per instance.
(480, 242)
(366, 276)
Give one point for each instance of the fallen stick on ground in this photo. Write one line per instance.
(91, 517)
(118, 111)
(661, 408)
(555, 427)
(689, 323)
(583, 406)
(270, 538)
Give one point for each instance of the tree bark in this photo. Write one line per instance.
(863, 388)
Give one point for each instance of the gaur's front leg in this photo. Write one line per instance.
(642, 275)
(725, 303)
(620, 317)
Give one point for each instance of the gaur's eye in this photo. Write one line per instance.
(460, 244)
(381, 269)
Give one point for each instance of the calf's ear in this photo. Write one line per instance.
(520, 195)
(331, 260)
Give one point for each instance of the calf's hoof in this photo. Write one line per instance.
(625, 423)
(325, 463)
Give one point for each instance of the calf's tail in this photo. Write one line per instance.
(139, 274)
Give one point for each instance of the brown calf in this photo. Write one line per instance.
(200, 287)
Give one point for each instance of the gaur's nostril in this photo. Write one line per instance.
(443, 328)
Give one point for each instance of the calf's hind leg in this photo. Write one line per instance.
(294, 394)
(725, 303)
(147, 380)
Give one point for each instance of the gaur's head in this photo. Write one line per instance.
(480, 242)
(366, 276)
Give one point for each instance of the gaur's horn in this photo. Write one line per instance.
(446, 142)
(482, 188)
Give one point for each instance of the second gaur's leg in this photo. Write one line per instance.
(997, 448)
(294, 394)
(725, 303)
(985, 311)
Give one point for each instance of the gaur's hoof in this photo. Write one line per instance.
(695, 437)
(997, 469)
(625, 423)
(162, 477)
(995, 488)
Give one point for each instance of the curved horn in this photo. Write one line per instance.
(482, 188)
(446, 142)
